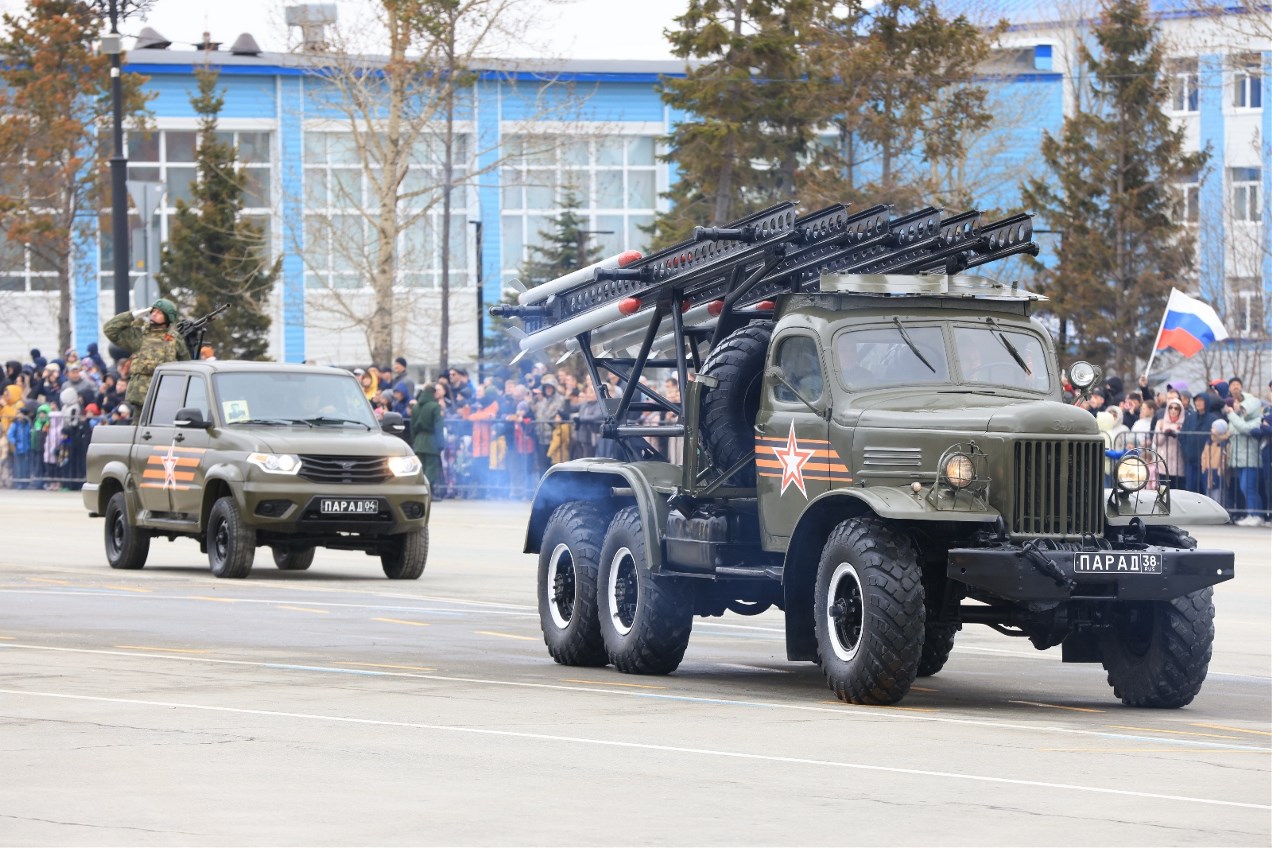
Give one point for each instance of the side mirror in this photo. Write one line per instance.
(191, 418)
(392, 422)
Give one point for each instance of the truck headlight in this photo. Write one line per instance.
(959, 471)
(276, 463)
(1131, 474)
(404, 466)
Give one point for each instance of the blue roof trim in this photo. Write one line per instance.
(225, 70)
(489, 76)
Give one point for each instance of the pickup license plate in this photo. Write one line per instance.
(1117, 563)
(349, 506)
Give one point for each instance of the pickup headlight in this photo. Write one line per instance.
(959, 471)
(1131, 473)
(404, 466)
(276, 463)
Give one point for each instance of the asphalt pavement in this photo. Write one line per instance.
(335, 707)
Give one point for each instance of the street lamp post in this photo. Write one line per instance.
(112, 46)
(481, 304)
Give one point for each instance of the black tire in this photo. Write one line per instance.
(127, 546)
(1170, 536)
(869, 612)
(938, 641)
(645, 622)
(291, 559)
(231, 543)
(568, 558)
(1157, 652)
(729, 408)
(406, 556)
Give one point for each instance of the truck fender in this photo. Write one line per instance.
(220, 480)
(606, 481)
(1185, 508)
(115, 478)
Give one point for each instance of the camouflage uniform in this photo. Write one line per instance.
(150, 345)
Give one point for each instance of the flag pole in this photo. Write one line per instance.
(1148, 369)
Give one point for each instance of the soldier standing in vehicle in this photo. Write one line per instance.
(150, 335)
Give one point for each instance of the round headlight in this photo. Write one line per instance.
(959, 471)
(1082, 375)
(1132, 474)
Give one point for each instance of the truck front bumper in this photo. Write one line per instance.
(1016, 573)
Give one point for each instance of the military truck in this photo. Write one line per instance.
(874, 441)
(241, 454)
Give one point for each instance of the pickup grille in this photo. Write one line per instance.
(1058, 488)
(344, 469)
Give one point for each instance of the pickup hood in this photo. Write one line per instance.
(330, 441)
(971, 413)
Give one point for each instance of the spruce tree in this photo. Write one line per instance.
(214, 255)
(1111, 194)
(563, 248)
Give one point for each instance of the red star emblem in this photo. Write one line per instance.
(170, 467)
(793, 460)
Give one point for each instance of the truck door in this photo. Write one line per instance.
(190, 445)
(154, 454)
(793, 461)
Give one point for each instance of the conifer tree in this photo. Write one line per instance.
(214, 255)
(563, 248)
(1111, 193)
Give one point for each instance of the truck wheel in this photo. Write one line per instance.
(231, 543)
(406, 556)
(567, 584)
(645, 623)
(291, 559)
(729, 408)
(126, 546)
(1157, 652)
(938, 641)
(869, 612)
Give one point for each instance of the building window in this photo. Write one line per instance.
(168, 156)
(1183, 85)
(613, 179)
(341, 198)
(1246, 184)
(1247, 82)
(1250, 308)
(1189, 199)
(24, 267)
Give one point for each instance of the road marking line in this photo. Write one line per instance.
(210, 598)
(1226, 727)
(130, 589)
(1057, 706)
(884, 707)
(8, 638)
(387, 665)
(1171, 732)
(803, 706)
(304, 609)
(1144, 751)
(49, 580)
(610, 683)
(921, 689)
(506, 635)
(163, 650)
(402, 621)
(646, 746)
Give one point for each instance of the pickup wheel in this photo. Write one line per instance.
(1157, 653)
(231, 543)
(406, 556)
(869, 612)
(645, 623)
(291, 559)
(568, 556)
(729, 408)
(127, 546)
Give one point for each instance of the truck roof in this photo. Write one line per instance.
(222, 366)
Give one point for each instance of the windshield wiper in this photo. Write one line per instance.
(274, 422)
(913, 347)
(326, 419)
(1011, 348)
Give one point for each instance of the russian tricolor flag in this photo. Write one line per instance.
(1189, 325)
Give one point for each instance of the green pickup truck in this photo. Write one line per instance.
(241, 454)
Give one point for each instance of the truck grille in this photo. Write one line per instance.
(344, 469)
(1059, 488)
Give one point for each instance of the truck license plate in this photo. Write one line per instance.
(1107, 562)
(349, 506)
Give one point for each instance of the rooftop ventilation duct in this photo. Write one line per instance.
(150, 39)
(245, 45)
(312, 19)
(208, 44)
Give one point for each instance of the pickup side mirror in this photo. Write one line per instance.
(392, 423)
(191, 418)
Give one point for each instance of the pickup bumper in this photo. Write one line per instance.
(1152, 574)
(286, 509)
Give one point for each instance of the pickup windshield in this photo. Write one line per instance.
(288, 397)
(1001, 357)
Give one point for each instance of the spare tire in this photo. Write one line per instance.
(727, 422)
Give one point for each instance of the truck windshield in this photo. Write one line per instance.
(1001, 357)
(887, 357)
(284, 397)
